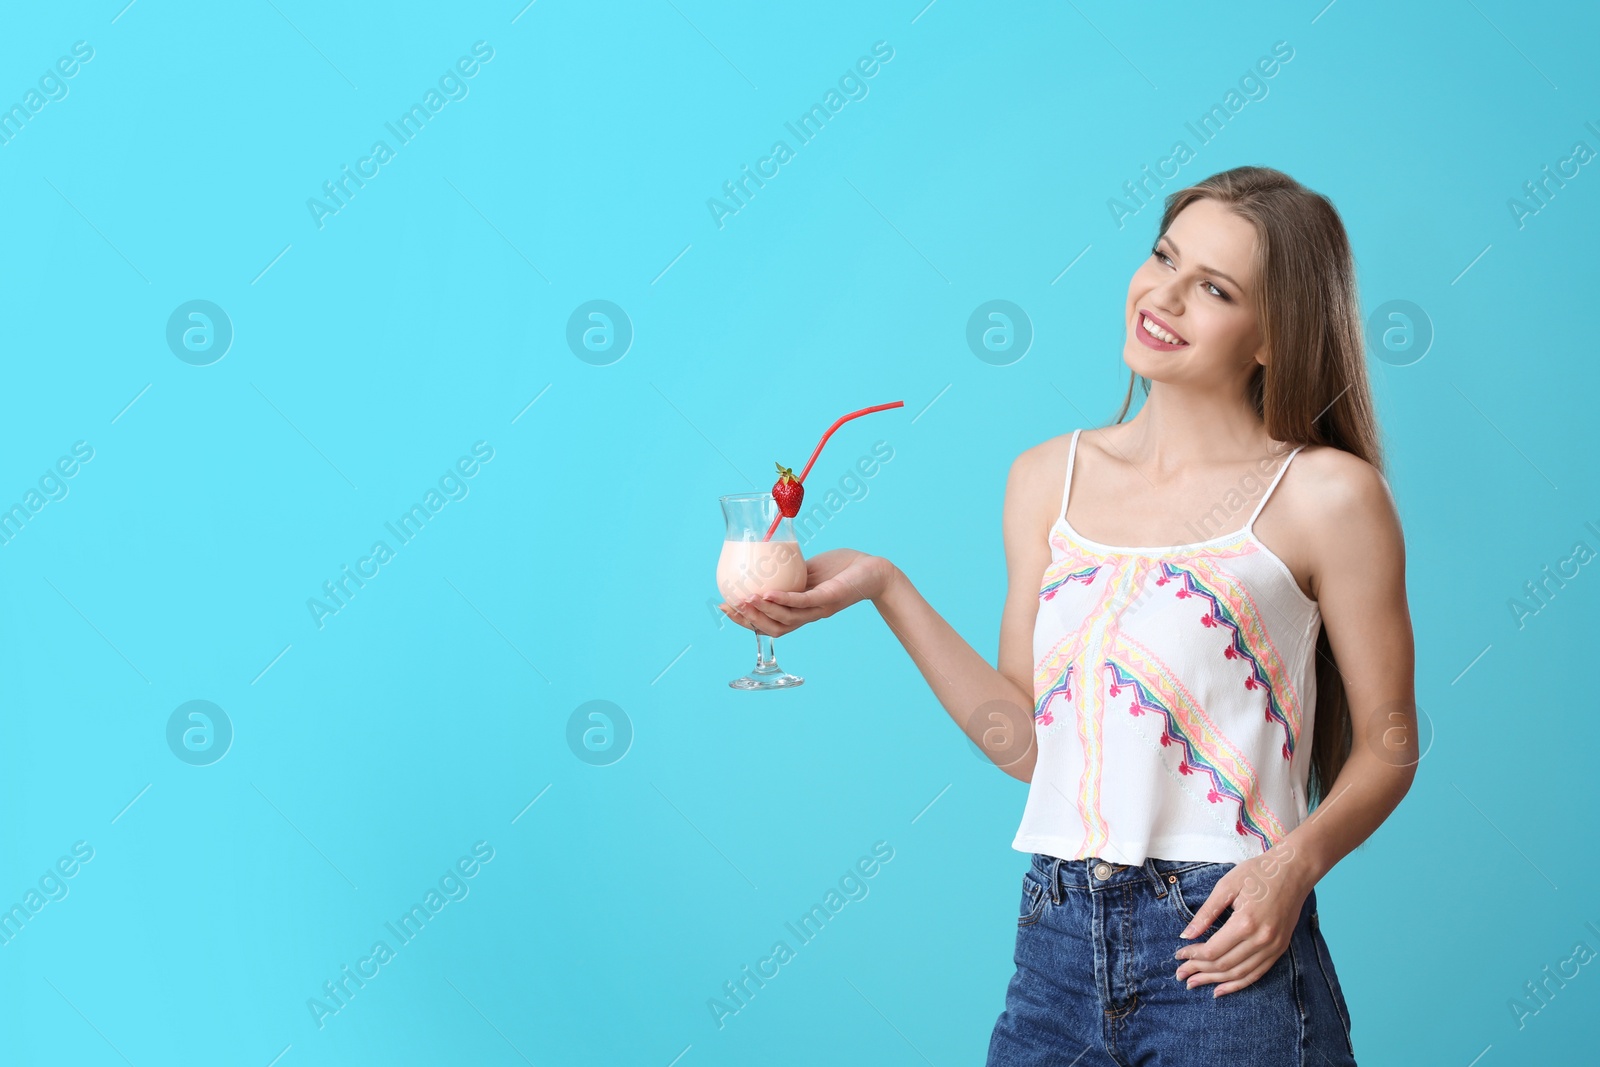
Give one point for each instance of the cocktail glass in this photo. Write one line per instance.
(750, 565)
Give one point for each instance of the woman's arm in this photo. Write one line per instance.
(993, 707)
(1360, 583)
(1358, 578)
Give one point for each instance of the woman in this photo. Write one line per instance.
(1179, 707)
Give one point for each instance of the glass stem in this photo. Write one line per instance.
(766, 658)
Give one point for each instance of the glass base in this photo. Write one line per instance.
(766, 674)
(776, 678)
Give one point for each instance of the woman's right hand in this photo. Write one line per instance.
(835, 580)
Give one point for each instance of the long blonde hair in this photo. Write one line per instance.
(1313, 388)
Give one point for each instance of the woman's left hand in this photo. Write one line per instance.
(1266, 898)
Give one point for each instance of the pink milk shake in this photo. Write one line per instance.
(747, 567)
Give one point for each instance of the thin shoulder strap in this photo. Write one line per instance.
(1250, 526)
(1066, 489)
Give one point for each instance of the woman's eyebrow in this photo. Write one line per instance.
(1208, 270)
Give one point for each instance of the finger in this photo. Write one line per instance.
(1219, 959)
(1219, 900)
(789, 616)
(1200, 978)
(1229, 987)
(738, 616)
(1234, 965)
(1230, 974)
(758, 610)
(760, 621)
(1218, 944)
(788, 598)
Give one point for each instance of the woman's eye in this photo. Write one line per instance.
(1163, 257)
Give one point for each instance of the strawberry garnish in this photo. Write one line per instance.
(788, 492)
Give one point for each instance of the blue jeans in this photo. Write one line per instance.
(1095, 985)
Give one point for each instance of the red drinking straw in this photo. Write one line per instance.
(818, 450)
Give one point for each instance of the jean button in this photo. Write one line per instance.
(1102, 871)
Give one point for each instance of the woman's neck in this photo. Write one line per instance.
(1179, 428)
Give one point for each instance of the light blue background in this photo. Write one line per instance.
(369, 754)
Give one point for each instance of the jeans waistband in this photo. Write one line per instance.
(1096, 874)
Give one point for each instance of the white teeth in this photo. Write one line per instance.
(1157, 332)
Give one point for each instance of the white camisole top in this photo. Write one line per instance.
(1174, 691)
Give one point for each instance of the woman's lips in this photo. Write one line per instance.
(1150, 339)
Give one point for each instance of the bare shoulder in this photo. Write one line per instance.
(1038, 470)
(1035, 483)
(1339, 482)
(1345, 500)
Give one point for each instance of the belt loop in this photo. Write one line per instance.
(1155, 877)
(1055, 881)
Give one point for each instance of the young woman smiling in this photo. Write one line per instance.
(1207, 723)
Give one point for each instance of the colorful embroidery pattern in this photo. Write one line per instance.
(1128, 665)
(1062, 688)
(1052, 676)
(1091, 737)
(1202, 747)
(1230, 609)
(1085, 644)
(1136, 758)
(1086, 575)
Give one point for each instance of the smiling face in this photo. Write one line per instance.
(1197, 287)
